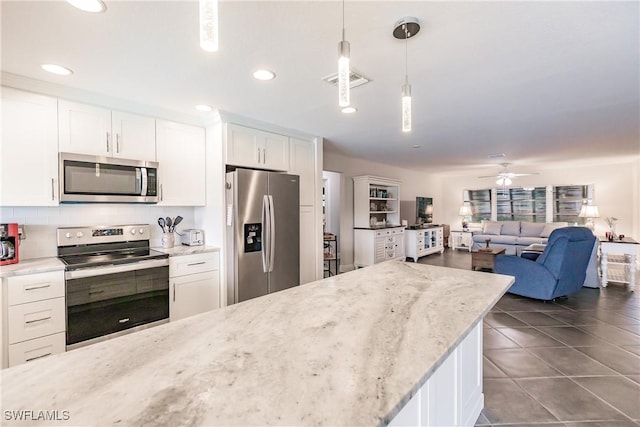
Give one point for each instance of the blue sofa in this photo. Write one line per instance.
(559, 271)
(513, 236)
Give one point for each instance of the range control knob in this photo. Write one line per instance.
(141, 231)
(68, 235)
(133, 231)
(79, 234)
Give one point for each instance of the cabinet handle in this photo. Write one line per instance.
(125, 320)
(174, 292)
(37, 287)
(38, 320)
(258, 155)
(96, 292)
(53, 190)
(107, 142)
(196, 263)
(264, 156)
(38, 357)
(161, 193)
(117, 143)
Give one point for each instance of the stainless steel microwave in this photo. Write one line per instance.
(97, 179)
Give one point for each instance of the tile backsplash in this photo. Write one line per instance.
(40, 223)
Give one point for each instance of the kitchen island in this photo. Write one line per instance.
(352, 349)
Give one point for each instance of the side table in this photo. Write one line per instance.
(330, 253)
(461, 239)
(483, 258)
(618, 261)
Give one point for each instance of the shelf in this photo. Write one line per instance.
(382, 198)
(381, 212)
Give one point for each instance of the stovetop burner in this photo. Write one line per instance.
(111, 258)
(85, 247)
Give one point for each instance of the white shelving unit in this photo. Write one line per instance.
(618, 261)
(376, 218)
(423, 242)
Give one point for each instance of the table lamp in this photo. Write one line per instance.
(589, 212)
(465, 211)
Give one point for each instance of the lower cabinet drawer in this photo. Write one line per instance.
(35, 349)
(36, 319)
(192, 264)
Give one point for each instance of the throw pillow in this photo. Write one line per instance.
(531, 229)
(492, 228)
(510, 228)
(548, 229)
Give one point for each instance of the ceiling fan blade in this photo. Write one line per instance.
(524, 174)
(489, 176)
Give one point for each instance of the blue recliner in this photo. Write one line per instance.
(559, 271)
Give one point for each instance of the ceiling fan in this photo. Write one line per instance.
(504, 177)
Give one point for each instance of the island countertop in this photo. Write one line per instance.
(347, 350)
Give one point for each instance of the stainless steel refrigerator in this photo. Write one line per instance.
(263, 233)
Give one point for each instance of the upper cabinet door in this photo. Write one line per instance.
(134, 137)
(258, 149)
(275, 151)
(243, 146)
(181, 158)
(29, 149)
(84, 129)
(303, 164)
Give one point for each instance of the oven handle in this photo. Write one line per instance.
(113, 269)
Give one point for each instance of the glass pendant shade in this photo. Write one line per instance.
(209, 25)
(343, 74)
(504, 180)
(406, 107)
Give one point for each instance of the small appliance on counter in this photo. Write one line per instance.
(9, 243)
(192, 237)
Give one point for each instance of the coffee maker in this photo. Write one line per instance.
(9, 243)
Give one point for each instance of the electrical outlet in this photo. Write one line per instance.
(21, 234)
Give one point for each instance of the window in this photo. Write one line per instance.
(522, 204)
(567, 201)
(480, 203)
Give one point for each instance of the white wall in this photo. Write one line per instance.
(413, 184)
(616, 188)
(40, 223)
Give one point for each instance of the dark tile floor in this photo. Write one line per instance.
(574, 362)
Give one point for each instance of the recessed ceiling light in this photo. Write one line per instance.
(57, 69)
(204, 107)
(415, 146)
(94, 6)
(349, 110)
(264, 75)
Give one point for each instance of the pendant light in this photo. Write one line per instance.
(344, 52)
(405, 29)
(209, 25)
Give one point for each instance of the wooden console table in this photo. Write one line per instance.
(485, 258)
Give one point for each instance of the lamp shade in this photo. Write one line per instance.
(589, 211)
(465, 210)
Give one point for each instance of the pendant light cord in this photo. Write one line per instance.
(343, 20)
(406, 54)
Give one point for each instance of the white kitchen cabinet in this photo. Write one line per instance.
(194, 284)
(255, 148)
(91, 130)
(308, 259)
(180, 153)
(303, 164)
(373, 246)
(452, 395)
(29, 149)
(423, 242)
(34, 306)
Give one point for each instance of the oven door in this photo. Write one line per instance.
(107, 300)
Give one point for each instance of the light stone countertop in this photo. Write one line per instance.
(179, 250)
(347, 350)
(31, 266)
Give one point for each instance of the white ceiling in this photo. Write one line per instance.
(541, 81)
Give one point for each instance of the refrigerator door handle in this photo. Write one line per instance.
(272, 233)
(265, 233)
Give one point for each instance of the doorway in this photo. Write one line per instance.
(331, 222)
